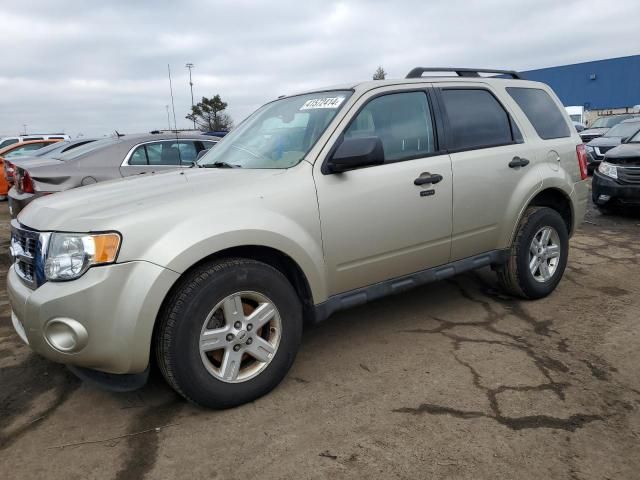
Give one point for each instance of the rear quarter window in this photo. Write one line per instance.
(543, 113)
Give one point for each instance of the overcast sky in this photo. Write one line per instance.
(89, 67)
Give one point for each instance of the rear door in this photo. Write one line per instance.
(490, 162)
(161, 155)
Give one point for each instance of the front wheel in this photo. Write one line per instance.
(229, 333)
(538, 256)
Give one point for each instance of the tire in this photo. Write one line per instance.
(515, 276)
(186, 320)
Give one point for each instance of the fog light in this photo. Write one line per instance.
(66, 335)
(604, 198)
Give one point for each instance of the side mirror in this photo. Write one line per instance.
(201, 154)
(356, 152)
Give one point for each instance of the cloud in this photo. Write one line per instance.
(91, 68)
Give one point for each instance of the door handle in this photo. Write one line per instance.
(518, 162)
(427, 178)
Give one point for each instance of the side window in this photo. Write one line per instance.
(542, 112)
(207, 145)
(163, 153)
(188, 152)
(402, 121)
(8, 142)
(476, 119)
(138, 157)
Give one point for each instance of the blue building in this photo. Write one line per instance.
(603, 84)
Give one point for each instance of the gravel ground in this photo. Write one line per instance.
(451, 380)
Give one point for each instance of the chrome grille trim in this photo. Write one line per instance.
(28, 248)
(629, 175)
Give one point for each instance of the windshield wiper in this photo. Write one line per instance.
(219, 165)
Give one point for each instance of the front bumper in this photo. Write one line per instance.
(116, 305)
(617, 192)
(17, 201)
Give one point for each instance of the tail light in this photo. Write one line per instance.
(8, 171)
(581, 152)
(26, 184)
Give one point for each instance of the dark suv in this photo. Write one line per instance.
(602, 126)
(617, 180)
(598, 147)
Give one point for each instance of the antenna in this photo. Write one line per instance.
(168, 121)
(173, 106)
(190, 66)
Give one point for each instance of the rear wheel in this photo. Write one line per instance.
(538, 256)
(229, 333)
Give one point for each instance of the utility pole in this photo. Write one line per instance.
(168, 121)
(190, 66)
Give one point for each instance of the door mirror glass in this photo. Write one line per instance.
(355, 153)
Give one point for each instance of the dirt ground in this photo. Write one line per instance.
(451, 380)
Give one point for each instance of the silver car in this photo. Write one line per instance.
(317, 202)
(105, 159)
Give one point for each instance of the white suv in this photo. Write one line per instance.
(6, 141)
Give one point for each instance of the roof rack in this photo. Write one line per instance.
(461, 72)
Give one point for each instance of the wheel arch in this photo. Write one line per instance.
(552, 197)
(268, 255)
(557, 200)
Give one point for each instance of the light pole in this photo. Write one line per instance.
(190, 66)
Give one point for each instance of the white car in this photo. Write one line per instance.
(6, 141)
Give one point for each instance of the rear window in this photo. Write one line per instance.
(89, 147)
(542, 112)
(476, 119)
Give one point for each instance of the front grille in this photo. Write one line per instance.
(630, 175)
(26, 251)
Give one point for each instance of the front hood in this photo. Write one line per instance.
(605, 142)
(135, 200)
(624, 151)
(594, 131)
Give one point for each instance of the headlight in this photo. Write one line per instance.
(608, 170)
(69, 255)
(590, 149)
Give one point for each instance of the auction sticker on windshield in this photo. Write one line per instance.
(327, 102)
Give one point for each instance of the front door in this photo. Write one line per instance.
(378, 222)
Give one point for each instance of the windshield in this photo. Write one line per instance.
(608, 122)
(76, 152)
(635, 138)
(279, 134)
(49, 148)
(624, 129)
